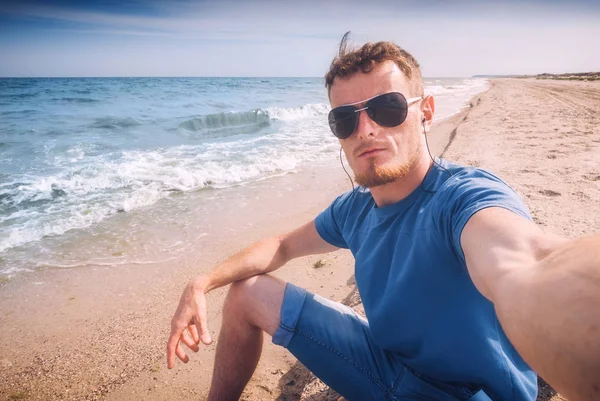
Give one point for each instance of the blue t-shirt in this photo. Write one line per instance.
(412, 277)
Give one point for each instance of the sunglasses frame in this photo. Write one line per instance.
(409, 102)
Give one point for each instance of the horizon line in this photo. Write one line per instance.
(220, 76)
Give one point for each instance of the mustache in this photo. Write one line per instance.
(366, 146)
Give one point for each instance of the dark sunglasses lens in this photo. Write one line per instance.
(388, 110)
(342, 121)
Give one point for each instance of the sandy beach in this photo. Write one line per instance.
(100, 332)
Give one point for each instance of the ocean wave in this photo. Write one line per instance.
(436, 90)
(76, 100)
(35, 229)
(253, 120)
(17, 95)
(18, 112)
(217, 104)
(455, 87)
(115, 122)
(295, 113)
(30, 194)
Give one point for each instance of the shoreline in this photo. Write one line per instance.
(100, 332)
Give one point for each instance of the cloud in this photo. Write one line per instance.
(210, 20)
(456, 38)
(273, 20)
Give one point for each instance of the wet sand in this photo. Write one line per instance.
(100, 332)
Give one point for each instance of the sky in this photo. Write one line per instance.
(69, 38)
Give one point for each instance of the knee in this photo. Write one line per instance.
(257, 301)
(241, 294)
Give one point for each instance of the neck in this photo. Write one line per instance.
(394, 192)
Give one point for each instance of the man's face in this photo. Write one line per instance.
(378, 155)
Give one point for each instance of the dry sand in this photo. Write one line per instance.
(100, 332)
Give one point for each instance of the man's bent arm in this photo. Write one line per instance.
(546, 292)
(262, 257)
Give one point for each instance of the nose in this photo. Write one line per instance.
(365, 127)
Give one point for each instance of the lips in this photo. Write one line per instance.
(369, 151)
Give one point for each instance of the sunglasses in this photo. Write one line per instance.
(387, 110)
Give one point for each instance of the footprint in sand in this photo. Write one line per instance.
(538, 221)
(581, 195)
(591, 177)
(549, 192)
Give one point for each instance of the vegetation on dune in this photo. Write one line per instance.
(578, 76)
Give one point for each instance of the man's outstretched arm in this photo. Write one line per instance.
(546, 292)
(189, 322)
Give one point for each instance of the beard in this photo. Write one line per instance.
(377, 175)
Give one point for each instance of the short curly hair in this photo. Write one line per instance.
(350, 61)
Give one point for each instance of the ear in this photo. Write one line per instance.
(427, 110)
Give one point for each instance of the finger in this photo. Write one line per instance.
(194, 332)
(203, 330)
(188, 342)
(181, 354)
(171, 346)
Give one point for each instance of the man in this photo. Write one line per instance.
(465, 296)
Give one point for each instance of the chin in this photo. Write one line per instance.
(378, 175)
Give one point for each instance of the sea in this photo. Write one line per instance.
(91, 169)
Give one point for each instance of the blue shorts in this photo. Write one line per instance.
(335, 343)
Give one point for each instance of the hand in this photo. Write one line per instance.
(188, 325)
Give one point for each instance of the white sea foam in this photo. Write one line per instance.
(436, 90)
(295, 113)
(80, 197)
(452, 95)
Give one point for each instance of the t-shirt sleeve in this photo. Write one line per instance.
(330, 222)
(465, 196)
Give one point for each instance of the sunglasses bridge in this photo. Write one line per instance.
(347, 131)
